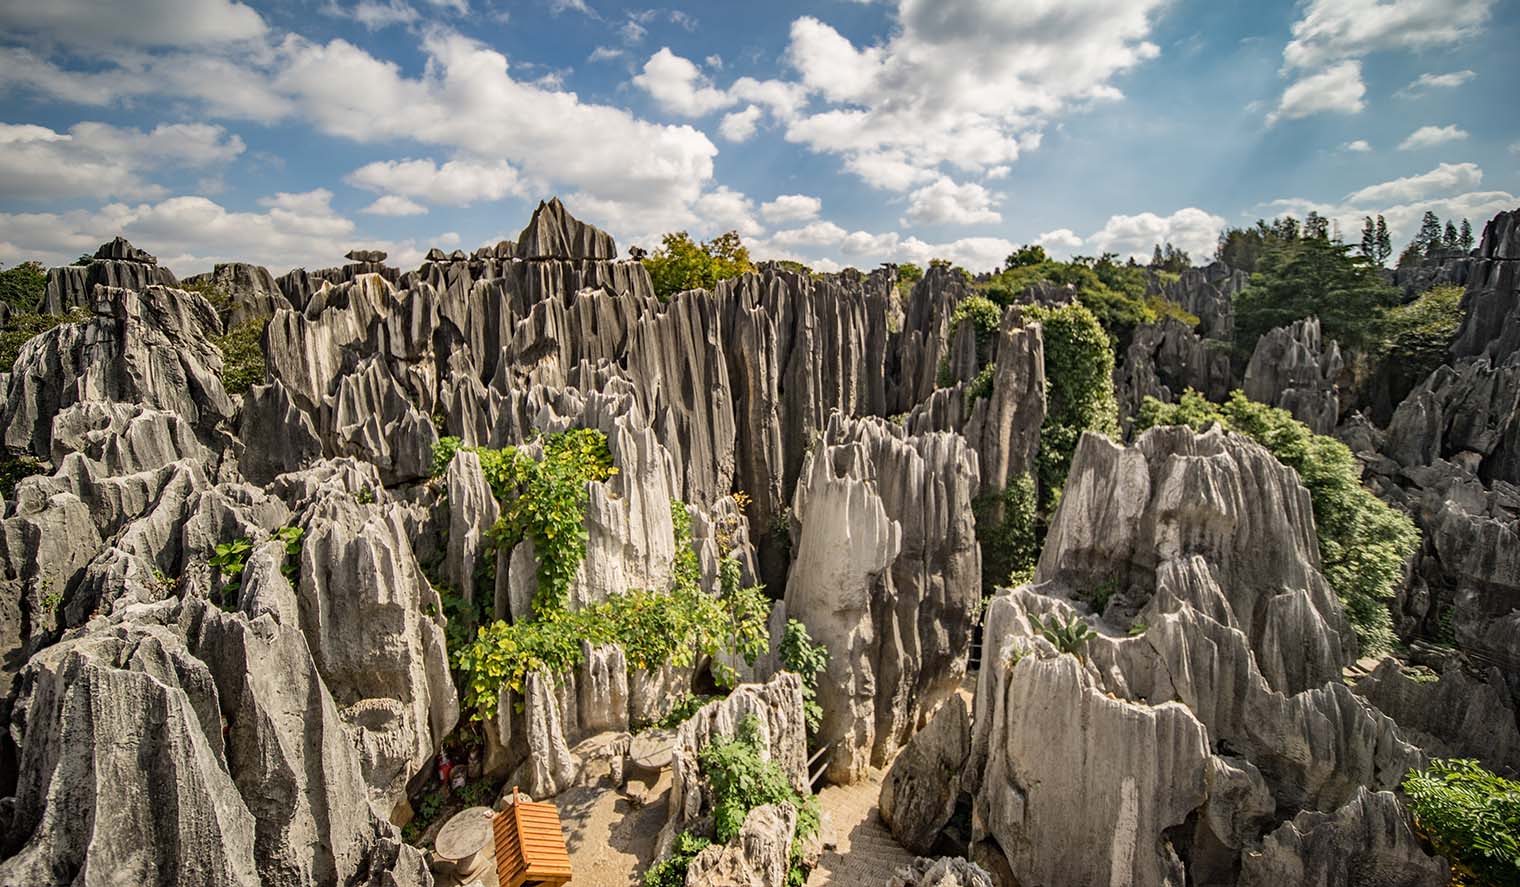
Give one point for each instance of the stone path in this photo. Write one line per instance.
(865, 853)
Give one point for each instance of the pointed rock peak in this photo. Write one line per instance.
(553, 233)
(121, 250)
(369, 256)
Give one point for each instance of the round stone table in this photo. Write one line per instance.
(464, 843)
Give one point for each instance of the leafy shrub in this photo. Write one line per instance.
(22, 328)
(217, 295)
(1412, 339)
(1079, 370)
(242, 355)
(14, 468)
(1313, 277)
(654, 628)
(23, 286)
(683, 264)
(229, 559)
(685, 706)
(671, 871)
(1010, 541)
(1067, 637)
(799, 654)
(742, 780)
(1470, 816)
(983, 314)
(1363, 542)
(981, 384)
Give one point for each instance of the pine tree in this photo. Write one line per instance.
(1465, 239)
(1156, 257)
(1369, 240)
(1384, 242)
(1429, 238)
(1317, 226)
(1449, 238)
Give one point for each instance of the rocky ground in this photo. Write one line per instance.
(230, 621)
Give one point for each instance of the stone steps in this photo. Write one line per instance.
(865, 853)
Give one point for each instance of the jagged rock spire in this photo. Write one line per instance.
(553, 233)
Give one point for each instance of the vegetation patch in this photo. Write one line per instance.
(654, 628)
(1313, 276)
(242, 355)
(14, 468)
(1006, 527)
(684, 264)
(1470, 816)
(742, 780)
(1079, 372)
(1363, 542)
(799, 654)
(23, 286)
(671, 871)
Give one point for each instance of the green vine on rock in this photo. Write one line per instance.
(674, 626)
(542, 500)
(742, 779)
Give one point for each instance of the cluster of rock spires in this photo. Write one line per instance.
(162, 725)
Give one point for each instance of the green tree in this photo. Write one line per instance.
(1465, 239)
(1317, 226)
(1368, 245)
(1314, 277)
(909, 274)
(1429, 237)
(22, 286)
(1449, 236)
(1026, 255)
(1079, 370)
(1384, 242)
(682, 264)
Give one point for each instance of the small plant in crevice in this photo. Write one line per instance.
(798, 653)
(1102, 593)
(292, 538)
(671, 871)
(229, 559)
(365, 495)
(1067, 637)
(1137, 628)
(687, 705)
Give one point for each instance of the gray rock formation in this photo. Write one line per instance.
(1208, 293)
(919, 793)
(887, 576)
(1491, 305)
(756, 857)
(777, 709)
(249, 291)
(116, 264)
(1456, 715)
(1294, 369)
(553, 233)
(1366, 843)
(948, 871)
(1166, 358)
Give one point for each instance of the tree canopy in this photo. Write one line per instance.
(22, 286)
(682, 263)
(1312, 276)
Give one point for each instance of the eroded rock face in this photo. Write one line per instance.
(948, 871)
(1365, 843)
(756, 857)
(1491, 305)
(250, 291)
(1164, 359)
(776, 707)
(1209, 294)
(116, 264)
(1294, 369)
(888, 577)
(919, 793)
(1175, 745)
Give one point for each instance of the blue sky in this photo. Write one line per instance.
(837, 132)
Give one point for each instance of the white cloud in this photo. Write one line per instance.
(679, 86)
(723, 209)
(191, 233)
(558, 6)
(1447, 178)
(1337, 89)
(604, 54)
(1190, 229)
(455, 183)
(1430, 136)
(740, 125)
(393, 205)
(375, 14)
(1427, 82)
(946, 203)
(827, 246)
(781, 98)
(104, 23)
(1514, 147)
(1060, 239)
(714, 61)
(99, 160)
(1330, 30)
(1358, 146)
(960, 81)
(791, 208)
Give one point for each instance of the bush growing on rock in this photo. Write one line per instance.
(242, 355)
(743, 780)
(684, 264)
(798, 653)
(1363, 542)
(671, 871)
(1470, 816)
(22, 328)
(1313, 277)
(23, 286)
(1079, 369)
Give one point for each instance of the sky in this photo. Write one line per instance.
(838, 133)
